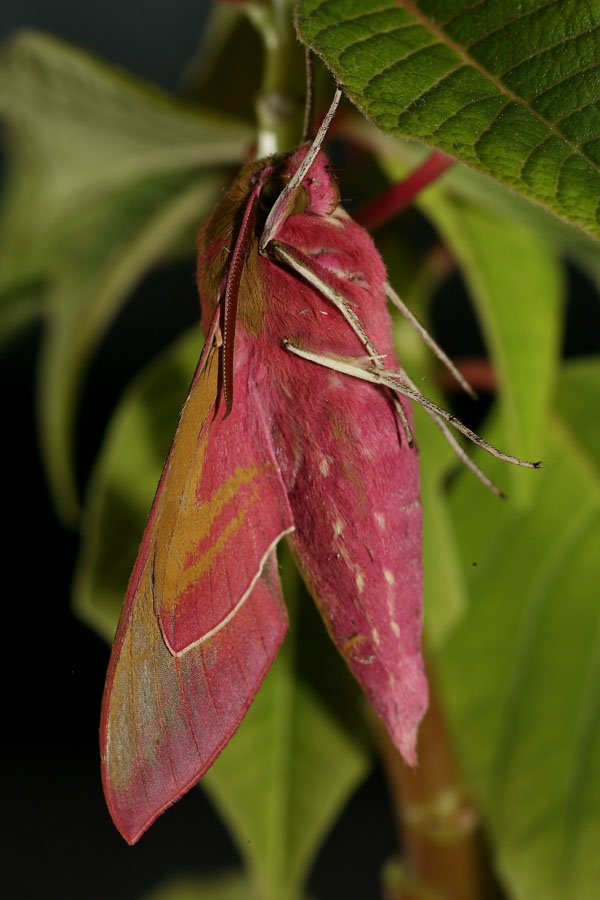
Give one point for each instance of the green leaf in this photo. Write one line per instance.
(516, 285)
(19, 311)
(297, 756)
(124, 482)
(110, 247)
(444, 584)
(444, 587)
(301, 749)
(577, 400)
(105, 176)
(398, 157)
(510, 88)
(79, 128)
(521, 670)
(228, 886)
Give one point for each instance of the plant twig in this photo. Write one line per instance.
(436, 818)
(280, 103)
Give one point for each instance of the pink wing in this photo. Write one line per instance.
(355, 500)
(352, 479)
(203, 616)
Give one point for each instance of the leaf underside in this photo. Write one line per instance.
(105, 175)
(510, 88)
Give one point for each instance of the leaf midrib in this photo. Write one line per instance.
(444, 38)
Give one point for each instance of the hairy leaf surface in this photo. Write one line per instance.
(510, 88)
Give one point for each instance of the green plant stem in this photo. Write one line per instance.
(280, 103)
(437, 820)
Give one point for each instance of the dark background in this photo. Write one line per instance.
(57, 834)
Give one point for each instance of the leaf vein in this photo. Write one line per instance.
(579, 109)
(508, 22)
(375, 36)
(489, 126)
(462, 108)
(355, 18)
(565, 78)
(411, 6)
(548, 49)
(530, 153)
(462, 12)
(397, 62)
(431, 87)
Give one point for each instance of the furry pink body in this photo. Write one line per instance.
(307, 452)
(352, 481)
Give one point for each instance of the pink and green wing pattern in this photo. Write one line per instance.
(203, 616)
(293, 448)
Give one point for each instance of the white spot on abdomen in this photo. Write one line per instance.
(380, 519)
(389, 576)
(324, 466)
(360, 582)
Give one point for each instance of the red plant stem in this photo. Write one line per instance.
(374, 214)
(437, 820)
(477, 371)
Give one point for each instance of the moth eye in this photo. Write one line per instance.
(270, 192)
(298, 200)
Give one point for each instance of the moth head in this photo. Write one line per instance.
(298, 200)
(318, 193)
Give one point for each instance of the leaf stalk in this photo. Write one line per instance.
(280, 102)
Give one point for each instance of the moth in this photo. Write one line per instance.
(297, 425)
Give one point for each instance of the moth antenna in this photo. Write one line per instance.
(302, 170)
(394, 381)
(428, 339)
(299, 175)
(310, 96)
(230, 299)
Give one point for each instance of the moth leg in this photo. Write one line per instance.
(456, 447)
(427, 338)
(285, 255)
(396, 382)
